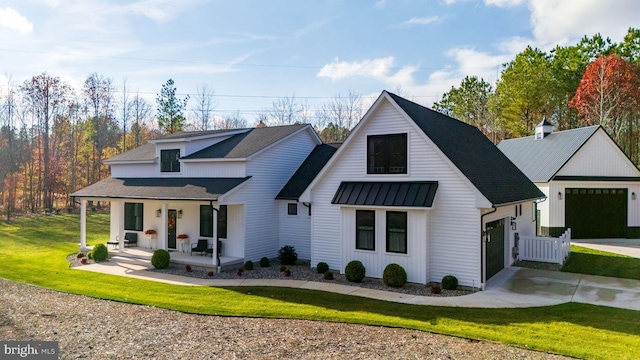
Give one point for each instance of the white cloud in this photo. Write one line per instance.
(415, 21)
(379, 69)
(503, 3)
(11, 19)
(159, 10)
(380, 4)
(563, 22)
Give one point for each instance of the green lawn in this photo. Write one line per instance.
(33, 251)
(595, 262)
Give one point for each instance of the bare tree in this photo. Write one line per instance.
(141, 112)
(339, 115)
(125, 112)
(231, 121)
(204, 107)
(286, 111)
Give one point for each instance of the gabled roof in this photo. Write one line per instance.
(541, 159)
(208, 189)
(307, 172)
(486, 167)
(246, 144)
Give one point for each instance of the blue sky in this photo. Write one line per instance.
(251, 52)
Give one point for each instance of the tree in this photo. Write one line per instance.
(170, 109)
(231, 121)
(125, 111)
(286, 111)
(141, 112)
(204, 107)
(339, 115)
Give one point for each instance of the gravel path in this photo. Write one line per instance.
(88, 328)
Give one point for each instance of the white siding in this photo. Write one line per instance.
(214, 169)
(544, 205)
(454, 243)
(135, 171)
(295, 230)
(600, 156)
(269, 171)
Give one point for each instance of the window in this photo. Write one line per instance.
(133, 214)
(397, 232)
(365, 230)
(292, 209)
(387, 154)
(206, 221)
(169, 160)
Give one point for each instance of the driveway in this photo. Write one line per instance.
(628, 247)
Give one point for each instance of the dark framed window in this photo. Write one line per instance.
(133, 215)
(206, 221)
(365, 229)
(387, 154)
(170, 160)
(292, 209)
(397, 232)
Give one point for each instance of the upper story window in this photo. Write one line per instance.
(169, 160)
(387, 154)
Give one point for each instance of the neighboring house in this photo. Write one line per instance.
(415, 187)
(591, 185)
(207, 185)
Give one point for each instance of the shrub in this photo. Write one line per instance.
(328, 275)
(160, 259)
(248, 265)
(287, 272)
(188, 268)
(210, 273)
(240, 271)
(282, 268)
(355, 271)
(83, 260)
(287, 255)
(100, 252)
(449, 282)
(264, 262)
(435, 289)
(322, 267)
(394, 275)
(90, 255)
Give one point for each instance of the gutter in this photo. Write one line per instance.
(482, 236)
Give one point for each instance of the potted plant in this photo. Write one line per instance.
(183, 236)
(151, 235)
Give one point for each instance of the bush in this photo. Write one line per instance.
(248, 265)
(210, 273)
(100, 252)
(328, 275)
(449, 282)
(80, 255)
(355, 271)
(264, 262)
(90, 255)
(287, 255)
(160, 259)
(282, 268)
(188, 268)
(240, 271)
(394, 275)
(435, 289)
(322, 267)
(287, 272)
(83, 260)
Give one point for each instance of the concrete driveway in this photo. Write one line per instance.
(629, 247)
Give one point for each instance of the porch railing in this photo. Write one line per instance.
(545, 249)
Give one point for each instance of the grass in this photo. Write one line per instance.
(595, 262)
(33, 250)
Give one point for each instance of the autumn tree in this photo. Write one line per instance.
(170, 109)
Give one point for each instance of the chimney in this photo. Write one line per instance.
(543, 129)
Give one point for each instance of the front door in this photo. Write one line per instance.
(495, 247)
(171, 229)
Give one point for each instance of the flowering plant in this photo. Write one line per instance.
(150, 232)
(183, 236)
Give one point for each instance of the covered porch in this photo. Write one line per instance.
(182, 258)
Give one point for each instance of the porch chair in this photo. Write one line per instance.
(130, 239)
(210, 251)
(200, 247)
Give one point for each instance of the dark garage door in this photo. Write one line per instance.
(596, 213)
(495, 247)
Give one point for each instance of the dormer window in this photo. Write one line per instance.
(169, 160)
(387, 154)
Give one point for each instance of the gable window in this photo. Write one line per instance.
(397, 232)
(387, 154)
(133, 214)
(292, 209)
(169, 160)
(365, 229)
(206, 221)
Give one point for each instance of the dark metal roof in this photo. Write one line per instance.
(247, 143)
(161, 188)
(408, 193)
(488, 169)
(541, 159)
(307, 172)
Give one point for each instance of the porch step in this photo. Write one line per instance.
(130, 260)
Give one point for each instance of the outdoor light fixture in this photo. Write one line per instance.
(559, 195)
(180, 214)
(513, 225)
(633, 196)
(158, 212)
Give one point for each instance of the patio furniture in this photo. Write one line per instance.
(113, 243)
(130, 239)
(200, 247)
(210, 250)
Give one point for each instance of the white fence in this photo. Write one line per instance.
(545, 249)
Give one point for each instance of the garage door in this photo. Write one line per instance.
(596, 213)
(495, 247)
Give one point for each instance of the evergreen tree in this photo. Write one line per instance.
(170, 109)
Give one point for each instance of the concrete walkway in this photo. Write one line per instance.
(511, 288)
(628, 247)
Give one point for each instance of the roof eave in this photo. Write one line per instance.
(130, 162)
(519, 201)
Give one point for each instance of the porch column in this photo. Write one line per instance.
(83, 225)
(120, 220)
(214, 256)
(164, 239)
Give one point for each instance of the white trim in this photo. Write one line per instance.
(130, 162)
(199, 137)
(213, 160)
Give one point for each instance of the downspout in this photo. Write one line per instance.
(215, 236)
(482, 236)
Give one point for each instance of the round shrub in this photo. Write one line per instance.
(394, 275)
(264, 262)
(435, 289)
(160, 259)
(322, 267)
(328, 275)
(100, 252)
(90, 255)
(287, 255)
(449, 282)
(354, 271)
(282, 268)
(248, 265)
